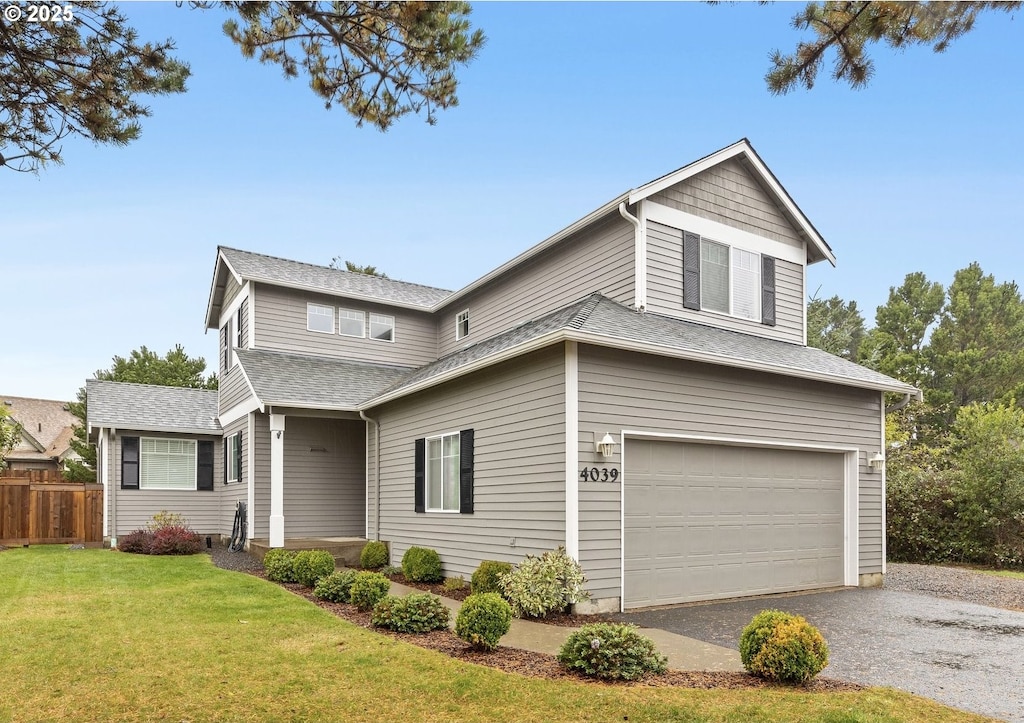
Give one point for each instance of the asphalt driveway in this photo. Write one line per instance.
(964, 655)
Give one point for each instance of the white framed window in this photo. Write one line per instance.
(462, 325)
(167, 464)
(442, 473)
(320, 318)
(730, 280)
(382, 327)
(238, 327)
(352, 323)
(232, 457)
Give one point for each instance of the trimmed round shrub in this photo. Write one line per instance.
(368, 589)
(540, 585)
(780, 646)
(175, 540)
(487, 577)
(311, 565)
(374, 555)
(279, 565)
(483, 619)
(422, 564)
(138, 542)
(615, 651)
(418, 612)
(336, 586)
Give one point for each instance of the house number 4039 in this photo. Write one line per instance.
(599, 474)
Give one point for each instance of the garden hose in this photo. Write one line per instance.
(237, 543)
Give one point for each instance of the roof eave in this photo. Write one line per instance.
(160, 429)
(212, 323)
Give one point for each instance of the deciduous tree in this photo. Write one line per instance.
(10, 432)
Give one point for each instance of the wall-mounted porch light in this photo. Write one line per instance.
(606, 446)
(876, 461)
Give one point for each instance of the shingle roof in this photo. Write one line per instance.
(273, 270)
(152, 408)
(315, 382)
(596, 318)
(44, 421)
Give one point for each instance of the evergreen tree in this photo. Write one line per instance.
(835, 326)
(356, 268)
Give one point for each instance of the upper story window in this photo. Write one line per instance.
(730, 280)
(352, 323)
(462, 325)
(382, 327)
(320, 318)
(238, 326)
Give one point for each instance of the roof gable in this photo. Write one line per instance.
(43, 421)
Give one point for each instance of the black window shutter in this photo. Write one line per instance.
(129, 463)
(240, 322)
(204, 466)
(238, 455)
(419, 487)
(224, 348)
(691, 270)
(466, 471)
(768, 290)
(227, 450)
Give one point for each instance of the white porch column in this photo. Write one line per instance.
(277, 480)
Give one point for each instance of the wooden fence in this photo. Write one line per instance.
(36, 513)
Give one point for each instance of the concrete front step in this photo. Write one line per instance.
(346, 550)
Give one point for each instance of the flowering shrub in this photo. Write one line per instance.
(539, 585)
(611, 650)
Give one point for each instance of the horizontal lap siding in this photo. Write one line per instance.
(136, 507)
(324, 491)
(729, 194)
(665, 290)
(517, 412)
(622, 390)
(280, 324)
(231, 494)
(600, 258)
(261, 481)
(233, 389)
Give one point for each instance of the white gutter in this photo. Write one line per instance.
(376, 472)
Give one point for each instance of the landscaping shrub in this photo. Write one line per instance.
(487, 577)
(175, 540)
(614, 651)
(368, 589)
(453, 584)
(783, 647)
(483, 619)
(390, 570)
(414, 613)
(311, 565)
(374, 555)
(138, 542)
(279, 565)
(540, 585)
(336, 586)
(163, 518)
(422, 564)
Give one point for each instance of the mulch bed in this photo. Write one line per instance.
(542, 665)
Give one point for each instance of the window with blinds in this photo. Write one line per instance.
(168, 464)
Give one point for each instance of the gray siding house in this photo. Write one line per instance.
(636, 388)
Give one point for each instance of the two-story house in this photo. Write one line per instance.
(636, 387)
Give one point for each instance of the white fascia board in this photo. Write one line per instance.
(226, 312)
(221, 259)
(252, 390)
(726, 234)
(671, 179)
(238, 411)
(171, 430)
(611, 206)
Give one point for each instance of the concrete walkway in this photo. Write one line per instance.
(683, 653)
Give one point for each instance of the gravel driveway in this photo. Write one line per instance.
(964, 654)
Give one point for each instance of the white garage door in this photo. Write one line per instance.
(706, 521)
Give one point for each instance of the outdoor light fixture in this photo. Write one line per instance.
(606, 446)
(876, 461)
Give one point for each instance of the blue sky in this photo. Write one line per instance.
(567, 106)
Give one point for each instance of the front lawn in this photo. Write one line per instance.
(1006, 573)
(100, 635)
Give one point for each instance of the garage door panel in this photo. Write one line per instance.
(711, 521)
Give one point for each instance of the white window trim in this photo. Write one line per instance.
(732, 278)
(310, 305)
(394, 327)
(233, 443)
(426, 472)
(195, 464)
(238, 327)
(362, 323)
(459, 318)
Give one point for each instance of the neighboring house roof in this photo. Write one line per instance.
(46, 428)
(151, 408)
(312, 382)
(249, 266)
(598, 320)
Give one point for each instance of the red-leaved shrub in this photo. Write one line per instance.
(139, 541)
(175, 540)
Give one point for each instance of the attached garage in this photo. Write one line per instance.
(708, 521)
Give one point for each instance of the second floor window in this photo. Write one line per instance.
(462, 325)
(320, 318)
(382, 327)
(351, 323)
(730, 280)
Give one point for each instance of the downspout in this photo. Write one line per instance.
(902, 403)
(639, 259)
(376, 472)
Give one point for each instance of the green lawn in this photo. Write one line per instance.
(95, 635)
(1005, 573)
